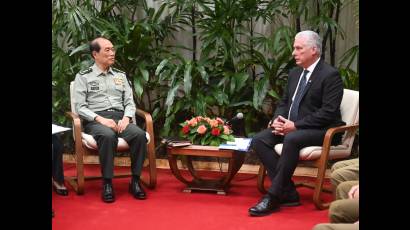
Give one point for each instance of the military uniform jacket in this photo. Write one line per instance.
(96, 91)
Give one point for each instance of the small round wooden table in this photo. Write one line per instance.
(221, 185)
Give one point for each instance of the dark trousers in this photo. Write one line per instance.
(57, 159)
(280, 168)
(107, 141)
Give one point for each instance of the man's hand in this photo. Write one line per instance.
(122, 124)
(277, 126)
(284, 126)
(110, 123)
(354, 192)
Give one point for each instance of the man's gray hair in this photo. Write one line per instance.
(312, 39)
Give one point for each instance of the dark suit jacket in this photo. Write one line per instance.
(320, 104)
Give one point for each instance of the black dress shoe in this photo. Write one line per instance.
(266, 206)
(60, 191)
(136, 190)
(108, 193)
(290, 199)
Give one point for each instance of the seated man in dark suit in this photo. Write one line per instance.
(310, 105)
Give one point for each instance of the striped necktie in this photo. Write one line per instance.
(293, 115)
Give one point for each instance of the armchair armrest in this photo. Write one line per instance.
(76, 131)
(76, 125)
(329, 136)
(151, 148)
(321, 163)
(148, 122)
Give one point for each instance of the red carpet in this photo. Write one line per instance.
(169, 208)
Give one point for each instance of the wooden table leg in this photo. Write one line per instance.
(202, 184)
(235, 163)
(191, 168)
(220, 186)
(174, 169)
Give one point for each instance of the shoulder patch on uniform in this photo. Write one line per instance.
(118, 71)
(82, 72)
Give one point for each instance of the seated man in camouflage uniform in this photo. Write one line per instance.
(104, 101)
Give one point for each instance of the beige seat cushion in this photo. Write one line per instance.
(349, 109)
(90, 142)
(313, 152)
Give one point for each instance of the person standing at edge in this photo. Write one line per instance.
(104, 101)
(310, 105)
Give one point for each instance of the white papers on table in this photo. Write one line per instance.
(240, 144)
(58, 129)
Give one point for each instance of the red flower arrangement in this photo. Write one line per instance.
(206, 131)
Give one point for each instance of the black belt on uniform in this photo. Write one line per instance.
(112, 110)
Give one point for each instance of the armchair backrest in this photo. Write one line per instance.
(349, 109)
(72, 102)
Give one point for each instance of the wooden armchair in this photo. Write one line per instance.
(86, 145)
(320, 155)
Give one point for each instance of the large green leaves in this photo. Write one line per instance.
(240, 68)
(261, 88)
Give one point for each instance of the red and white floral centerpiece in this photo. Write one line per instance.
(206, 131)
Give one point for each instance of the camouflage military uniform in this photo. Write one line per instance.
(109, 95)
